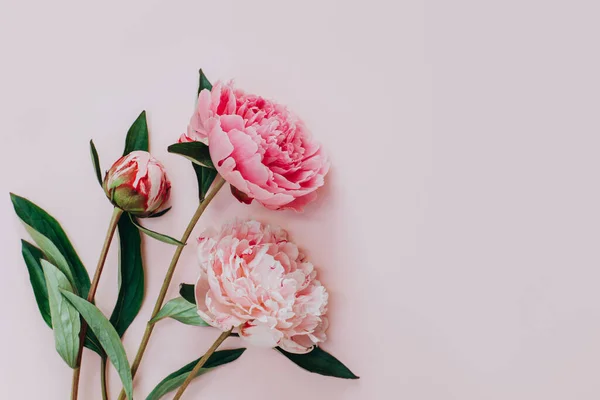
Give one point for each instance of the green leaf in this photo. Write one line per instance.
(196, 152)
(203, 82)
(51, 252)
(181, 310)
(96, 162)
(32, 256)
(137, 136)
(176, 379)
(108, 337)
(42, 222)
(205, 177)
(160, 213)
(131, 277)
(65, 319)
(188, 292)
(320, 362)
(156, 235)
(92, 343)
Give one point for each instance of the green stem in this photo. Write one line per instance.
(217, 184)
(201, 363)
(91, 294)
(103, 379)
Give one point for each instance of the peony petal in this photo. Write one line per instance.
(219, 145)
(200, 292)
(291, 346)
(299, 203)
(260, 334)
(253, 170)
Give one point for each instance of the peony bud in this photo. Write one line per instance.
(137, 183)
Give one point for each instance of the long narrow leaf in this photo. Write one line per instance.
(181, 310)
(156, 235)
(96, 162)
(32, 256)
(65, 319)
(46, 225)
(320, 362)
(137, 136)
(108, 337)
(51, 252)
(160, 213)
(131, 277)
(176, 379)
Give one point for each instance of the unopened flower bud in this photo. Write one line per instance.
(137, 183)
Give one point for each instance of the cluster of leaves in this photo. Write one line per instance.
(61, 283)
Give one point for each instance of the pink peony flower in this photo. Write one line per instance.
(253, 279)
(262, 149)
(137, 183)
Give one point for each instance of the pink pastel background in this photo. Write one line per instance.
(458, 232)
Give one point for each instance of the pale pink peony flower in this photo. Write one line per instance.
(253, 279)
(137, 183)
(262, 149)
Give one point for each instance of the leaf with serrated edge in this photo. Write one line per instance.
(131, 277)
(320, 362)
(137, 136)
(176, 379)
(196, 152)
(181, 310)
(65, 318)
(156, 235)
(46, 225)
(108, 337)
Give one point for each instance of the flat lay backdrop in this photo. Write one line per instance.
(458, 232)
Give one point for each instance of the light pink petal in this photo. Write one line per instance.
(201, 289)
(260, 334)
(293, 347)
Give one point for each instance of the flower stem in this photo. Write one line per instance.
(201, 363)
(217, 184)
(91, 294)
(103, 379)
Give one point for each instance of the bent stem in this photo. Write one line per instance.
(91, 294)
(201, 363)
(217, 184)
